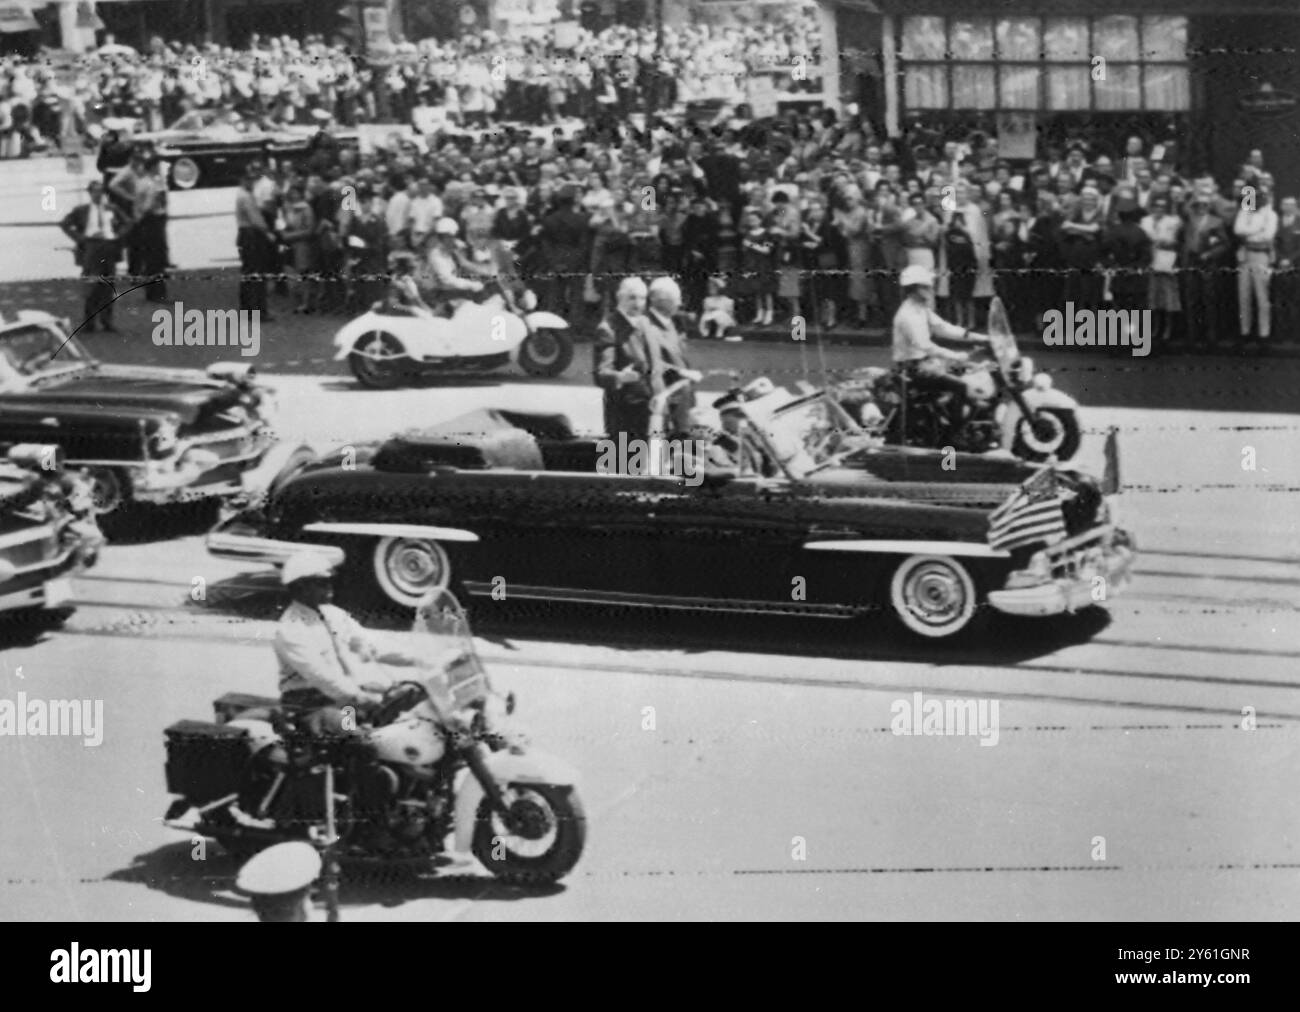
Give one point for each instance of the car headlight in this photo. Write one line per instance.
(198, 460)
(165, 437)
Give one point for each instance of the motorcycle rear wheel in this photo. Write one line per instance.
(552, 813)
(546, 353)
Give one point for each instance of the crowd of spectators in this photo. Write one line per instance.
(807, 214)
(811, 215)
(476, 78)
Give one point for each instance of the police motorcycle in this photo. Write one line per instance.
(1010, 405)
(391, 344)
(437, 759)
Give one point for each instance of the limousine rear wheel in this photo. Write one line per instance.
(409, 568)
(935, 596)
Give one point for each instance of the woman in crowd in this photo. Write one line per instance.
(757, 248)
(1166, 232)
(854, 223)
(300, 233)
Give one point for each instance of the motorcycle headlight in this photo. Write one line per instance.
(165, 437)
(1042, 381)
(529, 301)
(1025, 371)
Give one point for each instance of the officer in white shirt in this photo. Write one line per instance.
(1256, 230)
(327, 660)
(921, 361)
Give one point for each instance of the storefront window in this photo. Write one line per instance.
(1116, 38)
(1166, 87)
(1029, 63)
(1069, 87)
(1119, 88)
(1019, 86)
(924, 39)
(1164, 38)
(971, 39)
(1066, 38)
(925, 87)
(1019, 39)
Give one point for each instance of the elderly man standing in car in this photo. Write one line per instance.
(659, 324)
(621, 363)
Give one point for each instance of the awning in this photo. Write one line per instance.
(16, 16)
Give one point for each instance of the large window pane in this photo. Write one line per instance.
(973, 88)
(1164, 38)
(1116, 38)
(1121, 89)
(1018, 39)
(1066, 39)
(1019, 83)
(971, 38)
(1068, 87)
(923, 39)
(925, 87)
(1166, 87)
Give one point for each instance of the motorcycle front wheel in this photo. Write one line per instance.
(546, 353)
(1052, 432)
(543, 841)
(379, 361)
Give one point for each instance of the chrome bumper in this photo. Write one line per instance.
(1082, 571)
(165, 481)
(225, 543)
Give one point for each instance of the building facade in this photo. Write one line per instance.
(1211, 79)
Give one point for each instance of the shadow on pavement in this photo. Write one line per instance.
(171, 869)
(1007, 641)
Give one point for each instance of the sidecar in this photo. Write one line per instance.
(392, 344)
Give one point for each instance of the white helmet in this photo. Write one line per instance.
(304, 565)
(916, 274)
(445, 226)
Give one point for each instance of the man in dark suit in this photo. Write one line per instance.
(563, 245)
(94, 228)
(1205, 253)
(621, 363)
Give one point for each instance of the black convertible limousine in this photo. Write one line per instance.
(838, 525)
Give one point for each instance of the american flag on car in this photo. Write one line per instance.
(1032, 514)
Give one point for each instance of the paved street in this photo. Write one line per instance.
(769, 736)
(1122, 725)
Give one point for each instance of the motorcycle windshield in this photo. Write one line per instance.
(1003, 338)
(454, 676)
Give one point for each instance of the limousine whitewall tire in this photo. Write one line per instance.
(407, 569)
(935, 596)
(185, 173)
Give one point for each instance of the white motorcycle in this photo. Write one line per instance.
(392, 344)
(436, 761)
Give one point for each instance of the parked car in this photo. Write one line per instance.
(142, 434)
(838, 524)
(47, 531)
(212, 147)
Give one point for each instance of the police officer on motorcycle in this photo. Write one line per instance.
(922, 362)
(326, 657)
(452, 272)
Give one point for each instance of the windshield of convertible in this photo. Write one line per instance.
(809, 434)
(27, 353)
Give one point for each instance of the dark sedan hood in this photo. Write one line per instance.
(125, 391)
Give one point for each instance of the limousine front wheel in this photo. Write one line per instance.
(934, 596)
(409, 568)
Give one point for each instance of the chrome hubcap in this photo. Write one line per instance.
(935, 595)
(416, 567)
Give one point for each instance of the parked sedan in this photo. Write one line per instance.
(142, 434)
(823, 521)
(47, 534)
(212, 147)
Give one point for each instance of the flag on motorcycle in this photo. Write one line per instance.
(1032, 514)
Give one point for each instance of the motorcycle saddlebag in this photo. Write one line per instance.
(205, 761)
